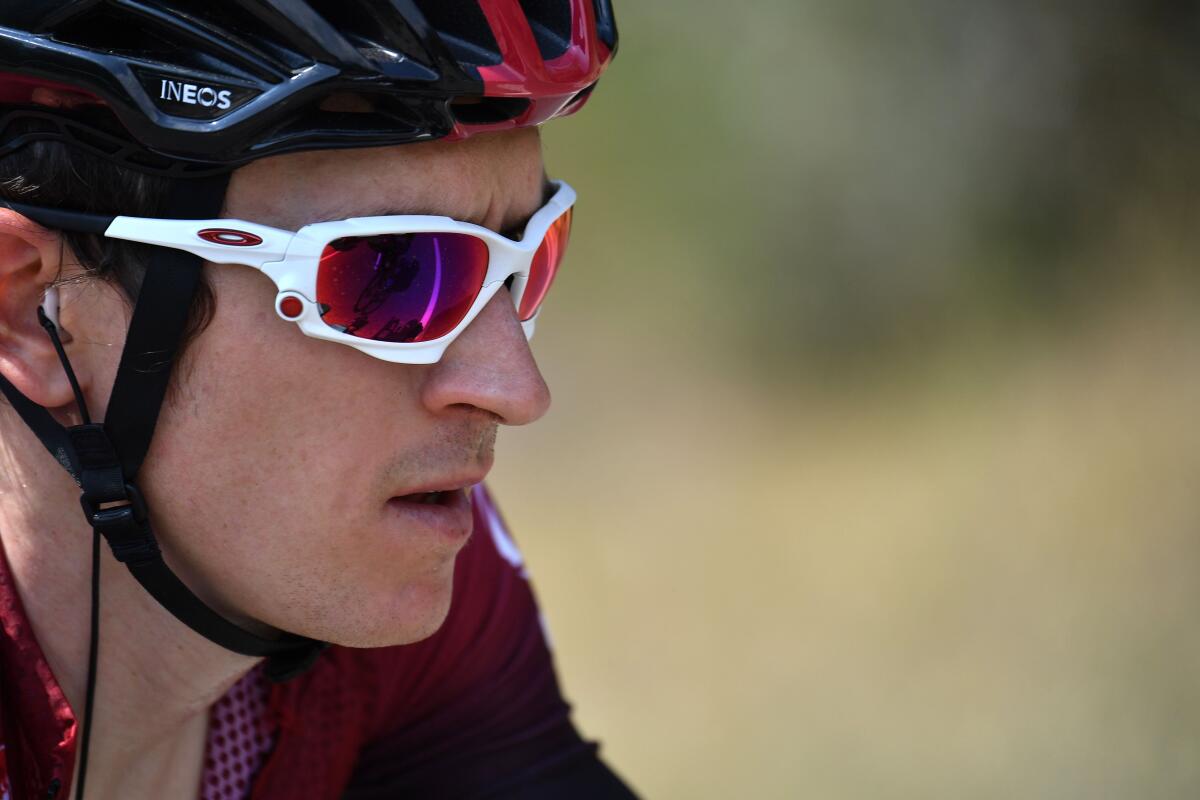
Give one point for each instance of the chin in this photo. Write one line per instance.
(416, 614)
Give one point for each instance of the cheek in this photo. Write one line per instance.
(268, 476)
(242, 453)
(259, 415)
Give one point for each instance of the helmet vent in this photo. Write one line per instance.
(377, 120)
(550, 21)
(180, 33)
(114, 30)
(375, 30)
(606, 28)
(256, 35)
(578, 100)
(488, 110)
(464, 30)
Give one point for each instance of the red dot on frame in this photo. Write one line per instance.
(291, 307)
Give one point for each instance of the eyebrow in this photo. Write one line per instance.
(548, 190)
(88, 222)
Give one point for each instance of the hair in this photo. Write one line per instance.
(58, 175)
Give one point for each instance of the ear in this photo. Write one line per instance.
(30, 260)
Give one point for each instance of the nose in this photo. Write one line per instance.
(490, 367)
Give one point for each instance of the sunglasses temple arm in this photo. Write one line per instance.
(59, 219)
(257, 245)
(221, 241)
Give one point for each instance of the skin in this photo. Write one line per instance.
(274, 461)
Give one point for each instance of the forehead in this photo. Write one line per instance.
(495, 180)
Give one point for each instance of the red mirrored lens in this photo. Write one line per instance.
(410, 287)
(545, 265)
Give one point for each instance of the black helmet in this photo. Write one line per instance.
(183, 87)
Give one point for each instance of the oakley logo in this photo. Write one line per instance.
(194, 95)
(230, 237)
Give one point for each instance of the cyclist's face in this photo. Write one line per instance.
(277, 464)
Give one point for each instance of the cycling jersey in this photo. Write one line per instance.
(474, 711)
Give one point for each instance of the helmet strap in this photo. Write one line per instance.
(104, 458)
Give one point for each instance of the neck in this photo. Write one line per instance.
(156, 679)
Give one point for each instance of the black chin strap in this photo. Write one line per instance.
(104, 458)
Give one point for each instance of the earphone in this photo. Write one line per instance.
(50, 304)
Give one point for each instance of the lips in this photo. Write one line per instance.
(439, 491)
(445, 512)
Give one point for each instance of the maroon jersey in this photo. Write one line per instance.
(473, 711)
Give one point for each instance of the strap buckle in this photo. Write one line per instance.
(124, 526)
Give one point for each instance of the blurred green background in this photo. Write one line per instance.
(872, 471)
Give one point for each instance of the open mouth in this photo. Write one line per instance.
(448, 511)
(438, 498)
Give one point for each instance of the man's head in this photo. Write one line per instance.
(296, 484)
(278, 458)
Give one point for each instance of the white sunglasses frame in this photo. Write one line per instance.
(292, 258)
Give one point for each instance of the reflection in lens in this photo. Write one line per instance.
(545, 265)
(411, 287)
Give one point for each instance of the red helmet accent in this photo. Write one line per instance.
(554, 88)
(21, 88)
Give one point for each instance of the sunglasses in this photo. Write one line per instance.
(399, 288)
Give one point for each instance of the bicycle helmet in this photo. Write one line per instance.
(192, 87)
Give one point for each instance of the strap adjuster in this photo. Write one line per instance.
(125, 527)
(130, 496)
